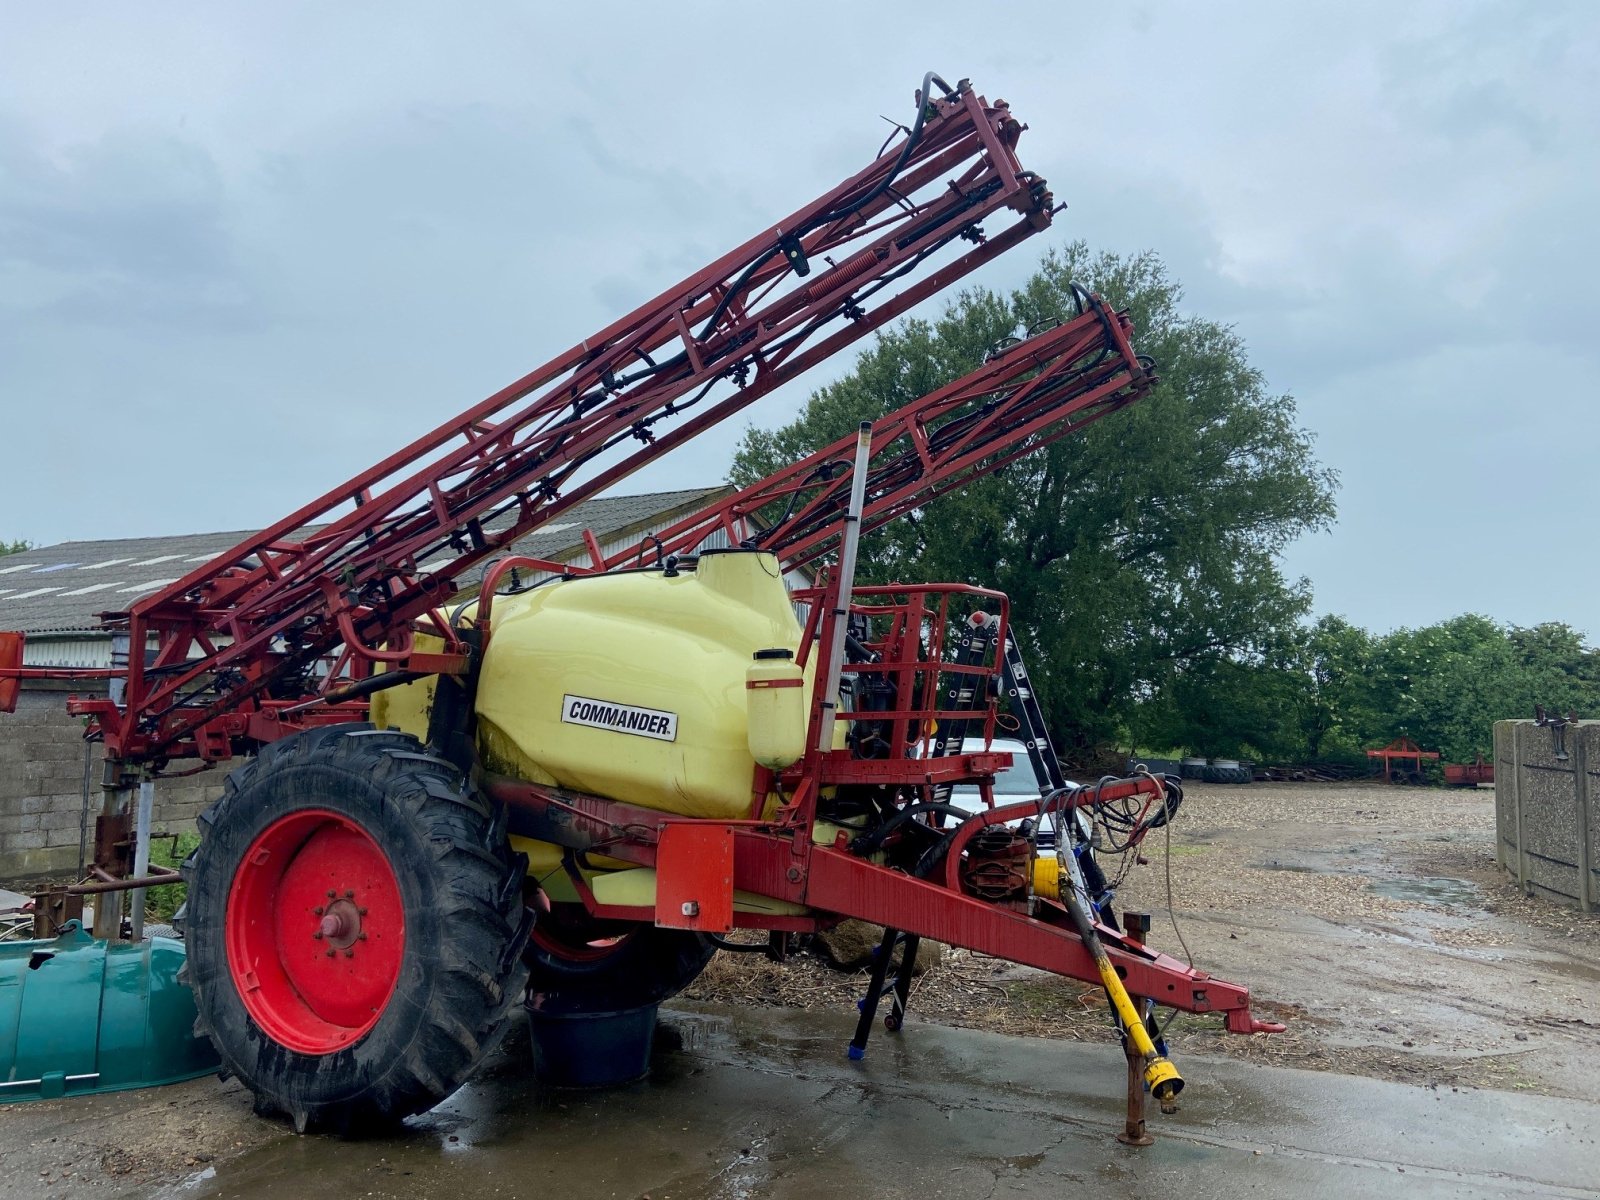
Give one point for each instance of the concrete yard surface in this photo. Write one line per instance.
(1452, 1024)
(763, 1103)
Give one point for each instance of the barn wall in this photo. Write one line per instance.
(41, 788)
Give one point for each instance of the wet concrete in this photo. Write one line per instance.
(1378, 925)
(764, 1104)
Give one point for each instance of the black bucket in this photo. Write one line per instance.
(589, 1050)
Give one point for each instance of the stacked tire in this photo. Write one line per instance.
(1228, 770)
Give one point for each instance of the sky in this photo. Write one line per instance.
(245, 251)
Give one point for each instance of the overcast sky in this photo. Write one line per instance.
(247, 250)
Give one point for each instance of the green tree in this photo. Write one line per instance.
(1449, 683)
(1238, 705)
(1344, 703)
(1137, 554)
(16, 547)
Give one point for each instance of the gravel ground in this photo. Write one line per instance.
(1372, 919)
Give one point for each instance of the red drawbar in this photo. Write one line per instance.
(315, 931)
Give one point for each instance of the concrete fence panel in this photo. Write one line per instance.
(1547, 809)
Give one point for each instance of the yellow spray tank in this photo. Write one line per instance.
(636, 685)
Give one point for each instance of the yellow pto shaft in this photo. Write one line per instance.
(1162, 1077)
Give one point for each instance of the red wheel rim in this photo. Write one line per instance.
(315, 931)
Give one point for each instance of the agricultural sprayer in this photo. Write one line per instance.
(569, 786)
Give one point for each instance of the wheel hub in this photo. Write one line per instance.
(340, 926)
(315, 931)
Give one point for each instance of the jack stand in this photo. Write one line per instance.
(1133, 1132)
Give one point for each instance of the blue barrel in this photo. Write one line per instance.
(591, 1050)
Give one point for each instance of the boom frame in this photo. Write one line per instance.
(227, 656)
(1024, 397)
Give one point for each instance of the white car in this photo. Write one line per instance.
(1011, 786)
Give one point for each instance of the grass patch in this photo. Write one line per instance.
(162, 902)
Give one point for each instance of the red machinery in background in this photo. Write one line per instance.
(1402, 761)
(289, 632)
(1469, 774)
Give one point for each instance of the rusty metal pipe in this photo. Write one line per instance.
(122, 885)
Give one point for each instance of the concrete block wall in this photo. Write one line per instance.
(1547, 809)
(41, 788)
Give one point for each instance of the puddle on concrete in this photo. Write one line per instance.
(1573, 969)
(1440, 889)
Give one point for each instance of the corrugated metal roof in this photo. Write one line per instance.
(61, 588)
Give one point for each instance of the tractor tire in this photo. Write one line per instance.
(577, 965)
(355, 928)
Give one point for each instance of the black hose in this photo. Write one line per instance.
(868, 842)
(823, 473)
(912, 138)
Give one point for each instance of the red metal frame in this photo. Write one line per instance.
(11, 675)
(343, 577)
(228, 655)
(781, 861)
(911, 622)
(776, 855)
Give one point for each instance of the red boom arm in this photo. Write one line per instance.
(236, 641)
(1034, 393)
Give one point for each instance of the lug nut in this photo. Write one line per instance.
(317, 933)
(362, 936)
(350, 895)
(332, 893)
(361, 912)
(331, 952)
(317, 911)
(349, 953)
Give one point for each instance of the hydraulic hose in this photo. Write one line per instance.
(912, 138)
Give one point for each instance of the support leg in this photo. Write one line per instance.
(902, 984)
(869, 1003)
(110, 846)
(141, 852)
(1134, 1132)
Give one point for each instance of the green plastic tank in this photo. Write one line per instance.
(80, 1015)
